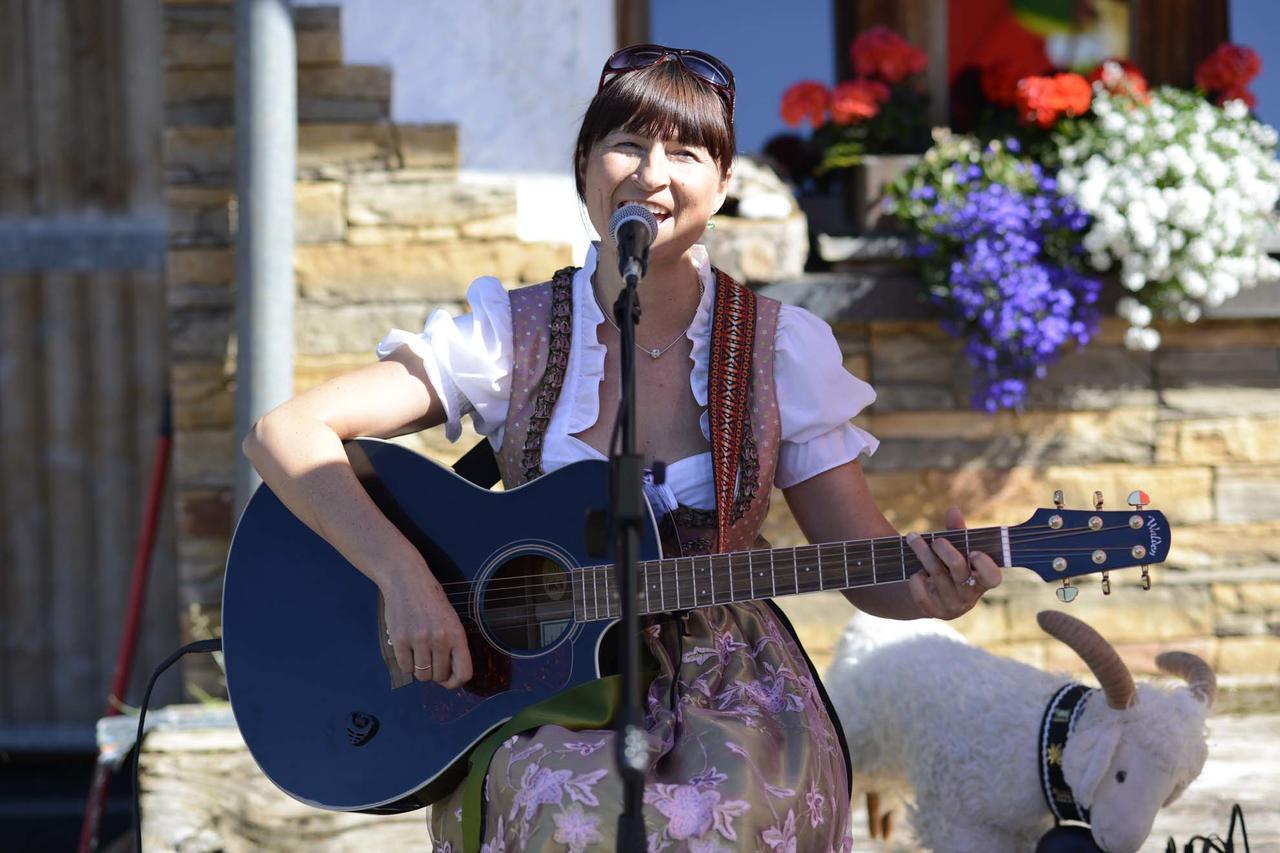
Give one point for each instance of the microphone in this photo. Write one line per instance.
(632, 229)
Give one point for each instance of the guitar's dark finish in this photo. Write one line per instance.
(301, 637)
(311, 678)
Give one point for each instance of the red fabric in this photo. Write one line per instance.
(984, 33)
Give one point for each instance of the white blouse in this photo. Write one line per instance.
(468, 360)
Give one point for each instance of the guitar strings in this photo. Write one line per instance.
(604, 583)
(852, 549)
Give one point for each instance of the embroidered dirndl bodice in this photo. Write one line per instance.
(541, 317)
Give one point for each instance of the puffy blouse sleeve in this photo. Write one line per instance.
(467, 359)
(816, 399)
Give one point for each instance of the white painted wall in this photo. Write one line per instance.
(514, 75)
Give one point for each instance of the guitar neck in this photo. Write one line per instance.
(680, 583)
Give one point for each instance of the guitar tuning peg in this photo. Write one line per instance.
(1067, 593)
(1138, 499)
(1057, 498)
(1146, 578)
(1097, 500)
(1106, 584)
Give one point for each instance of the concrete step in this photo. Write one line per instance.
(205, 97)
(203, 35)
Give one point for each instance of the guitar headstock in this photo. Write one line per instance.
(1059, 544)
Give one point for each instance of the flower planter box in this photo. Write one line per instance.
(867, 187)
(854, 207)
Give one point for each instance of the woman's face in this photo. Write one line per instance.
(680, 183)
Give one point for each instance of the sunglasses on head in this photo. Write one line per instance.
(703, 65)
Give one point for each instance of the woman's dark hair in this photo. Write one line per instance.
(664, 100)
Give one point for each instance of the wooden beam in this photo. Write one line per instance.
(632, 21)
(1171, 37)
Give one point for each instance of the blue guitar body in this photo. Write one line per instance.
(303, 642)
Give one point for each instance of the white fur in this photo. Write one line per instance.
(958, 728)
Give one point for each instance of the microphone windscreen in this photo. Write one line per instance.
(630, 213)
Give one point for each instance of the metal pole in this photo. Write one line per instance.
(266, 163)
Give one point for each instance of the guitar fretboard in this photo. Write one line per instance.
(680, 583)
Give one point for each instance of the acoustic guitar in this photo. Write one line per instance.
(332, 722)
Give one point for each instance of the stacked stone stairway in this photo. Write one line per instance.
(386, 230)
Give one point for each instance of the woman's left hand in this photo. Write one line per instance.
(951, 583)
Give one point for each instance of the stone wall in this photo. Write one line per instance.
(1195, 424)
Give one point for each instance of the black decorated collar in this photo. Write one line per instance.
(1057, 725)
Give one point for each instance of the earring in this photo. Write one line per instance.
(711, 225)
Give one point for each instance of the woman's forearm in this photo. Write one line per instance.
(303, 461)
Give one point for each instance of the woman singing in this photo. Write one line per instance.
(745, 754)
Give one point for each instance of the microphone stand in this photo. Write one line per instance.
(632, 751)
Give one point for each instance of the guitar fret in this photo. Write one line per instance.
(662, 588)
(752, 576)
(647, 608)
(873, 562)
(579, 598)
(902, 554)
(773, 575)
(845, 547)
(730, 574)
(595, 593)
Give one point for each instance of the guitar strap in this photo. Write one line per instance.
(733, 329)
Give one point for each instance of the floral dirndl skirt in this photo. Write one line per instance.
(743, 754)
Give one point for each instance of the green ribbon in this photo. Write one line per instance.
(593, 705)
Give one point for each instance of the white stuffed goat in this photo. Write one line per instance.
(961, 728)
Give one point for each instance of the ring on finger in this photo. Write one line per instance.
(972, 580)
(423, 668)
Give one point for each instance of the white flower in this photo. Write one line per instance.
(1195, 284)
(1142, 339)
(1133, 280)
(1236, 109)
(1224, 283)
(1201, 251)
(1113, 122)
(1189, 310)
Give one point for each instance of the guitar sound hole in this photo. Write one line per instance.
(527, 604)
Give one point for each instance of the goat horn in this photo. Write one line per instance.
(1101, 657)
(1198, 674)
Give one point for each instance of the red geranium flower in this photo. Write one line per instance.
(1046, 99)
(881, 53)
(1230, 67)
(807, 99)
(857, 100)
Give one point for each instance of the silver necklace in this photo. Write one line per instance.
(652, 353)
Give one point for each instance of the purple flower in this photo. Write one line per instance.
(1005, 278)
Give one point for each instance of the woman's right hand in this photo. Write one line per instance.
(424, 629)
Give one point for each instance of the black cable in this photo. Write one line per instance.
(198, 646)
